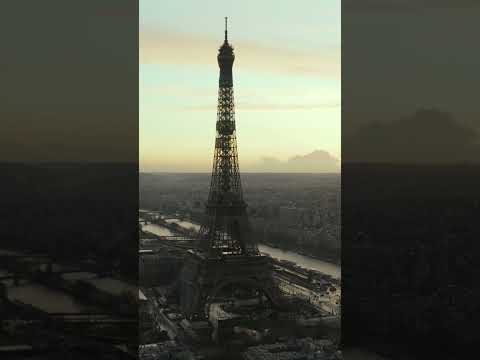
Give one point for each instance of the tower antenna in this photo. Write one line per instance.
(226, 19)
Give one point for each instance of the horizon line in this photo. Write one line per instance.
(243, 172)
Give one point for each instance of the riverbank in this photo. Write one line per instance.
(329, 256)
(306, 261)
(303, 261)
(328, 259)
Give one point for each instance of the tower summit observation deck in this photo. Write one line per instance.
(225, 60)
(227, 255)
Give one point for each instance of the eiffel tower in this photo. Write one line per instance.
(226, 254)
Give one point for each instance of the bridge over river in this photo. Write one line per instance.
(302, 260)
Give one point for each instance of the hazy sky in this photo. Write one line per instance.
(401, 57)
(286, 80)
(69, 82)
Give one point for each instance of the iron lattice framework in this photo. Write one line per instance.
(228, 255)
(227, 230)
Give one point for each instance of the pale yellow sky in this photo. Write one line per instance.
(286, 81)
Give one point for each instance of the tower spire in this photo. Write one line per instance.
(226, 19)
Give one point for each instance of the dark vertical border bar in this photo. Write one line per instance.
(410, 175)
(69, 179)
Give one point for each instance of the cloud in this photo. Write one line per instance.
(266, 107)
(161, 46)
(318, 161)
(177, 90)
(427, 136)
(279, 99)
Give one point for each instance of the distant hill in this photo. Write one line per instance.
(318, 161)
